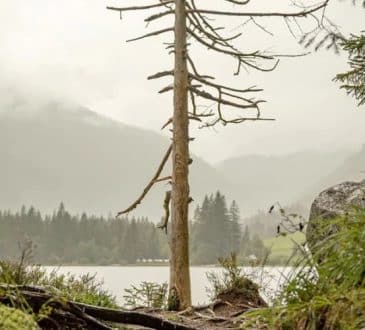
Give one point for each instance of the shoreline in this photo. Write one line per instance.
(157, 265)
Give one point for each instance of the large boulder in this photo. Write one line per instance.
(332, 202)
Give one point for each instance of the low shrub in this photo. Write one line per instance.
(147, 294)
(327, 290)
(232, 278)
(85, 289)
(233, 284)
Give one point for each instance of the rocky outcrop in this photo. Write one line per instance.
(332, 202)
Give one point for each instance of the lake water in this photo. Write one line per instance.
(118, 278)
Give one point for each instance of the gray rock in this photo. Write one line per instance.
(332, 202)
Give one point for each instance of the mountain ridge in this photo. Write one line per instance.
(90, 162)
(66, 152)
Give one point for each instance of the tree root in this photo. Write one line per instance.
(66, 314)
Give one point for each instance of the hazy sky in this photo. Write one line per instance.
(74, 50)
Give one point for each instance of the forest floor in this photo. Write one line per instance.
(224, 313)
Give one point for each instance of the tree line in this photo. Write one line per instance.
(216, 232)
(62, 238)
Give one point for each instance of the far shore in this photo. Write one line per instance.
(126, 265)
(149, 265)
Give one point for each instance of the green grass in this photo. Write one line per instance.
(328, 289)
(281, 247)
(84, 289)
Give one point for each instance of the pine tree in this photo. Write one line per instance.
(212, 234)
(353, 81)
(235, 227)
(131, 242)
(202, 247)
(245, 243)
(221, 226)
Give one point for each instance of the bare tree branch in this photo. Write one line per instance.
(152, 34)
(150, 184)
(302, 13)
(134, 8)
(165, 178)
(161, 74)
(166, 206)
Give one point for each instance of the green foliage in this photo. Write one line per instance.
(66, 239)
(14, 319)
(211, 231)
(147, 294)
(353, 81)
(216, 233)
(88, 240)
(20, 272)
(330, 295)
(84, 289)
(235, 227)
(231, 279)
(282, 247)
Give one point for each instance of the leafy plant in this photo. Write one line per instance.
(327, 291)
(147, 294)
(85, 289)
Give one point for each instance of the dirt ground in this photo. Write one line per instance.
(224, 313)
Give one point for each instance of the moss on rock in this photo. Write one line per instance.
(15, 319)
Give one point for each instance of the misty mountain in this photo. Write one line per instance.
(62, 152)
(283, 178)
(351, 169)
(67, 153)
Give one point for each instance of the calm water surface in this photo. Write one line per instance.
(118, 278)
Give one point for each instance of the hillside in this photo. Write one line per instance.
(62, 152)
(282, 178)
(282, 247)
(351, 169)
(67, 153)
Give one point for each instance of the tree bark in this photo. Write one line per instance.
(179, 295)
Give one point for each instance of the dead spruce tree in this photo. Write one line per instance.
(195, 24)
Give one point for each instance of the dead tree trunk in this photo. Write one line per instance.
(198, 24)
(180, 296)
